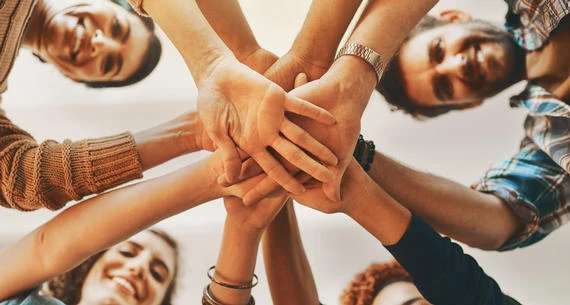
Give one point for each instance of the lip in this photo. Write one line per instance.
(476, 77)
(127, 286)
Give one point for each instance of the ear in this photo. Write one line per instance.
(454, 16)
(470, 105)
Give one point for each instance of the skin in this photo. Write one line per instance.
(400, 293)
(145, 261)
(440, 67)
(112, 45)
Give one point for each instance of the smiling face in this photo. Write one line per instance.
(458, 63)
(94, 41)
(137, 271)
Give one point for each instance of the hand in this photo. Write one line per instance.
(284, 71)
(354, 183)
(258, 216)
(345, 97)
(237, 104)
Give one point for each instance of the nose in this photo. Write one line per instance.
(137, 267)
(453, 65)
(102, 44)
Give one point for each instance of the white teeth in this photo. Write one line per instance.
(79, 30)
(480, 57)
(121, 281)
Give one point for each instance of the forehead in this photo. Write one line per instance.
(396, 293)
(157, 247)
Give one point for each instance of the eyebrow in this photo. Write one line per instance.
(119, 65)
(436, 88)
(411, 301)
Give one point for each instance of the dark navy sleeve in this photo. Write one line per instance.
(442, 272)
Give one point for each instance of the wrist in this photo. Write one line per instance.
(241, 224)
(212, 65)
(313, 54)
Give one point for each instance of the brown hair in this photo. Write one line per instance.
(67, 287)
(366, 285)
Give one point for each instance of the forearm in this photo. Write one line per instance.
(101, 221)
(324, 26)
(478, 219)
(236, 261)
(229, 22)
(286, 265)
(174, 138)
(191, 34)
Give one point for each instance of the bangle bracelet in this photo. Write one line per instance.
(208, 299)
(252, 284)
(367, 54)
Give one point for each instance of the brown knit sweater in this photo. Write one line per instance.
(49, 174)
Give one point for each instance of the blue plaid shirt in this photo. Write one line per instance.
(535, 182)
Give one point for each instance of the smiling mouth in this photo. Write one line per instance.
(76, 41)
(126, 286)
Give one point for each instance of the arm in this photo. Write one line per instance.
(314, 47)
(242, 233)
(478, 219)
(238, 105)
(440, 269)
(53, 248)
(50, 174)
(344, 90)
(288, 270)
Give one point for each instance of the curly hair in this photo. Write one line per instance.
(67, 287)
(366, 285)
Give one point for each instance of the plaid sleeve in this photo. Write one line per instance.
(547, 124)
(535, 188)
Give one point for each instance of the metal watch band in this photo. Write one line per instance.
(367, 54)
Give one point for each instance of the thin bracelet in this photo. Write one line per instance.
(208, 299)
(253, 283)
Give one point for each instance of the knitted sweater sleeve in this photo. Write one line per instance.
(50, 174)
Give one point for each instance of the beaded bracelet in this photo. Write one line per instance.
(208, 299)
(359, 149)
(370, 157)
(253, 283)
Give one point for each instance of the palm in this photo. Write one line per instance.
(257, 216)
(239, 106)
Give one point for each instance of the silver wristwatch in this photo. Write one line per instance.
(367, 54)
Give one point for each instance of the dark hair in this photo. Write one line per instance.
(67, 287)
(150, 59)
(366, 285)
(391, 86)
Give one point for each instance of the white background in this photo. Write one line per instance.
(459, 146)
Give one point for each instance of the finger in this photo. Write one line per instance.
(263, 189)
(277, 172)
(304, 108)
(301, 79)
(249, 168)
(332, 189)
(231, 160)
(301, 160)
(304, 140)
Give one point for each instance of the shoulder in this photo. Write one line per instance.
(32, 298)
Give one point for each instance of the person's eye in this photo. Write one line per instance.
(157, 275)
(446, 88)
(439, 52)
(126, 253)
(116, 29)
(108, 64)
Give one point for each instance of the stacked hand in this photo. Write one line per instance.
(241, 108)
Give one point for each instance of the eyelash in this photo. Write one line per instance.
(438, 52)
(156, 275)
(109, 63)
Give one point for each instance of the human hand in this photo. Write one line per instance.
(256, 217)
(237, 104)
(284, 71)
(354, 183)
(345, 96)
